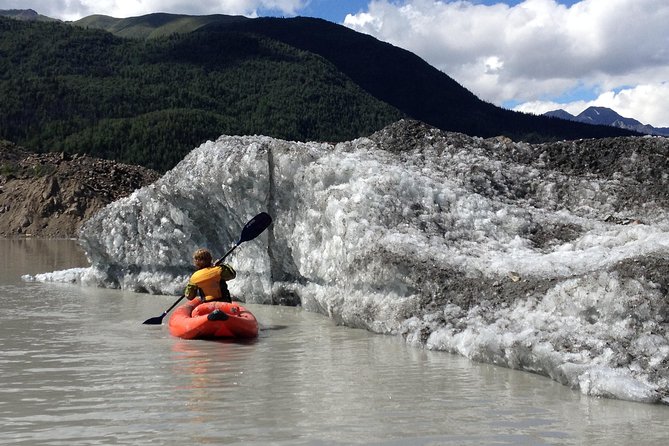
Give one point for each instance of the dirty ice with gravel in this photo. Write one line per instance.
(552, 259)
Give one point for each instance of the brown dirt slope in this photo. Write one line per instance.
(51, 194)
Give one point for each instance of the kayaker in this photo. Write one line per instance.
(208, 283)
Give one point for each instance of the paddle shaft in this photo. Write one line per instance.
(170, 308)
(219, 261)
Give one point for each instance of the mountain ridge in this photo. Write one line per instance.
(27, 15)
(406, 81)
(155, 25)
(607, 116)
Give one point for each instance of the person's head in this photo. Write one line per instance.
(202, 258)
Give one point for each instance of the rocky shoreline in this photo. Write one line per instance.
(49, 195)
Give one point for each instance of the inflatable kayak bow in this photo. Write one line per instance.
(213, 320)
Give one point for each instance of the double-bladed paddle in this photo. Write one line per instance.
(251, 230)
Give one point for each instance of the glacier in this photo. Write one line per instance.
(548, 258)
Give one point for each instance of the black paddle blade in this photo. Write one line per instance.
(155, 320)
(255, 227)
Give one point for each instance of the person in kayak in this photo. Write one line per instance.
(208, 283)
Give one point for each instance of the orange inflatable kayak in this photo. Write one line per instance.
(213, 320)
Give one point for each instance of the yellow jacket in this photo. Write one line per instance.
(210, 284)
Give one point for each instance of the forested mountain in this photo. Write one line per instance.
(181, 80)
(70, 89)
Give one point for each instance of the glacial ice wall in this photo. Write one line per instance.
(550, 259)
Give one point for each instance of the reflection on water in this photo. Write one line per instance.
(31, 256)
(77, 367)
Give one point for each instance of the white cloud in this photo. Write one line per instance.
(537, 48)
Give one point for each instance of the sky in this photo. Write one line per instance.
(526, 55)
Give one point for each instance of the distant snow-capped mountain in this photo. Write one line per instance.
(606, 116)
